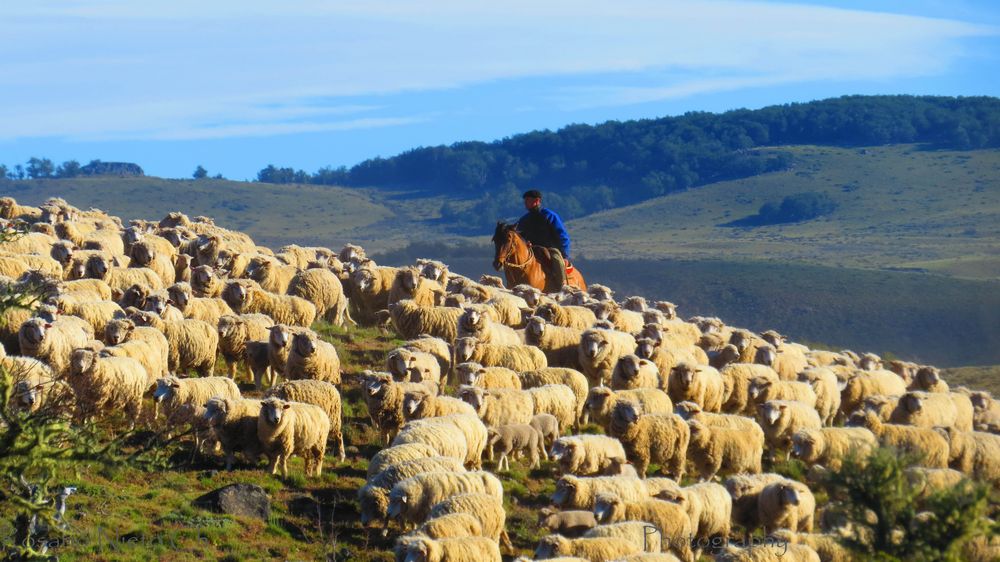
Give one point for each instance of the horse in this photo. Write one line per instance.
(516, 257)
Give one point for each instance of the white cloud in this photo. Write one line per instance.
(186, 69)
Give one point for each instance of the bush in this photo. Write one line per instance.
(793, 208)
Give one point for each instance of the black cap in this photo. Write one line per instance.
(534, 193)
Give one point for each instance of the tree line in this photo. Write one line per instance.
(44, 168)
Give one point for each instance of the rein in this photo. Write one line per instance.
(525, 263)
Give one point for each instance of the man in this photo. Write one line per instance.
(543, 227)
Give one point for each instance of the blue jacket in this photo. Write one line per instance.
(543, 227)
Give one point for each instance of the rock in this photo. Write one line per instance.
(351, 450)
(248, 500)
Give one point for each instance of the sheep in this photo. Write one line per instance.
(601, 548)
(205, 283)
(408, 284)
(709, 508)
(99, 267)
(425, 549)
(323, 289)
(932, 409)
(650, 557)
(786, 505)
(974, 453)
(665, 358)
(159, 302)
(763, 389)
(246, 296)
(193, 343)
(312, 358)
(559, 375)
(144, 254)
(829, 446)
(52, 342)
(780, 419)
(123, 331)
(452, 526)
(183, 400)
(633, 372)
(474, 374)
(235, 330)
(601, 401)
(745, 490)
(921, 441)
(514, 439)
(473, 436)
(586, 455)
(669, 519)
(371, 285)
(435, 346)
(691, 411)
(770, 551)
(474, 323)
(640, 533)
(105, 384)
(700, 384)
(408, 365)
(318, 393)
(96, 313)
(867, 383)
(828, 547)
(399, 454)
(208, 309)
(498, 407)
(559, 344)
(575, 492)
(660, 438)
(287, 428)
(736, 379)
(234, 424)
(556, 399)
(577, 317)
(412, 320)
(373, 497)
(600, 350)
(272, 275)
(747, 343)
(420, 404)
(928, 379)
(11, 210)
(411, 500)
(35, 386)
(710, 448)
(570, 523)
(486, 508)
(153, 359)
(627, 321)
(824, 384)
(927, 481)
(384, 398)
(786, 360)
(279, 345)
(515, 357)
(16, 265)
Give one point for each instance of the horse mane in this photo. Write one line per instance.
(502, 228)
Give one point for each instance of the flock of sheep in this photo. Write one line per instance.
(487, 372)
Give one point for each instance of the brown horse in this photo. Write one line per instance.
(517, 259)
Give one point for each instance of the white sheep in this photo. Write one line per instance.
(642, 534)
(235, 330)
(121, 278)
(601, 401)
(829, 446)
(786, 505)
(397, 455)
(660, 438)
(780, 419)
(312, 358)
(209, 309)
(669, 519)
(488, 509)
(105, 384)
(558, 400)
(472, 431)
(700, 384)
(435, 346)
(318, 393)
(764, 389)
(974, 453)
(560, 344)
(709, 507)
(408, 365)
(412, 320)
(577, 317)
(498, 407)
(287, 428)
(384, 398)
(576, 492)
(324, 290)
(516, 357)
(373, 497)
(863, 384)
(245, 296)
(710, 448)
(474, 374)
(691, 411)
(926, 443)
(192, 343)
(423, 549)
(409, 284)
(183, 400)
(586, 455)
(475, 324)
(933, 409)
(736, 379)
(600, 350)
(600, 548)
(825, 385)
(421, 404)
(515, 439)
(632, 372)
(745, 490)
(52, 342)
(412, 499)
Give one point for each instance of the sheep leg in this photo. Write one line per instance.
(340, 447)
(284, 465)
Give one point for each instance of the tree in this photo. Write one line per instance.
(40, 168)
(18, 172)
(4, 172)
(200, 173)
(68, 169)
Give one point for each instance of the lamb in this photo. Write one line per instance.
(498, 407)
(640, 533)
(571, 523)
(235, 330)
(105, 384)
(207, 309)
(921, 441)
(373, 497)
(660, 438)
(399, 454)
(559, 375)
(691, 411)
(193, 343)
(671, 520)
(121, 278)
(515, 439)
(780, 419)
(867, 383)
(711, 448)
(279, 345)
(144, 254)
(600, 350)
(474, 374)
(786, 505)
(412, 499)
(601, 401)
(829, 446)
(318, 393)
(292, 428)
(559, 344)
(577, 317)
(473, 436)
(384, 398)
(324, 290)
(974, 453)
(312, 358)
(486, 508)
(700, 384)
(745, 490)
(601, 548)
(633, 372)
(933, 409)
(475, 324)
(763, 389)
(52, 342)
(408, 365)
(246, 296)
(371, 285)
(548, 426)
(515, 357)
(452, 550)
(420, 404)
(587, 455)
(574, 492)
(736, 379)
(234, 423)
(709, 508)
(412, 320)
(825, 385)
(408, 284)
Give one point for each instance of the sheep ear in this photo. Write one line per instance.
(783, 406)
(175, 385)
(286, 406)
(47, 325)
(39, 386)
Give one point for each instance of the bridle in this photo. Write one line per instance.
(511, 247)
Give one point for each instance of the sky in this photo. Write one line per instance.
(235, 85)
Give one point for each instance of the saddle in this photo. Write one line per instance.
(550, 259)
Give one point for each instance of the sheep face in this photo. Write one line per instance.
(409, 279)
(465, 348)
(364, 280)
(79, 271)
(118, 331)
(686, 374)
(870, 362)
(272, 410)
(145, 318)
(980, 400)
(758, 385)
(625, 413)
(413, 402)
(157, 302)
(687, 410)
(913, 402)
(549, 547)
(597, 399)
(304, 344)
(773, 338)
(142, 254)
(165, 388)
(602, 310)
(97, 267)
(807, 446)
(770, 412)
(645, 348)
(27, 395)
(606, 505)
(470, 373)
(629, 366)
(635, 304)
(33, 331)
(279, 335)
(62, 252)
(202, 278)
(471, 320)
(377, 384)
(227, 324)
(652, 331)
(740, 339)
(134, 296)
(215, 411)
(790, 495)
(593, 344)
(397, 504)
(237, 296)
(927, 377)
(668, 308)
(765, 355)
(474, 396)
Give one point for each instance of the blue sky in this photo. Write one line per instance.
(234, 85)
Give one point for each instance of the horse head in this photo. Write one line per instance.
(502, 241)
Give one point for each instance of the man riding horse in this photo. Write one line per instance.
(543, 228)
